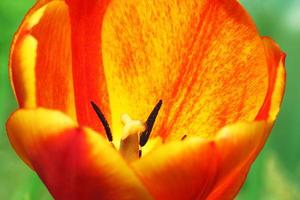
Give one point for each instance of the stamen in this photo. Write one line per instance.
(183, 137)
(140, 153)
(103, 121)
(149, 123)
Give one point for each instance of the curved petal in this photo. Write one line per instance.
(197, 56)
(229, 184)
(277, 78)
(73, 162)
(238, 146)
(179, 170)
(203, 168)
(89, 81)
(40, 61)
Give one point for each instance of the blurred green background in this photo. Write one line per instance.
(275, 174)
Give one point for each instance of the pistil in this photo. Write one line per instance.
(129, 147)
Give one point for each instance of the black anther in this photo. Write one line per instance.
(103, 121)
(149, 124)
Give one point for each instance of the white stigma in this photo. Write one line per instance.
(131, 126)
(129, 147)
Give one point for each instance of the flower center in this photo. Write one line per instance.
(129, 147)
(135, 133)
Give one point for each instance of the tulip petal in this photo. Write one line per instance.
(204, 59)
(56, 59)
(73, 162)
(230, 183)
(89, 80)
(179, 170)
(238, 146)
(40, 62)
(203, 168)
(277, 79)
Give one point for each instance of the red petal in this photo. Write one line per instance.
(89, 79)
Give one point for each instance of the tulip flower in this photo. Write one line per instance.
(142, 99)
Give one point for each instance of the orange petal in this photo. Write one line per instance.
(40, 62)
(73, 162)
(179, 170)
(204, 59)
(277, 74)
(231, 181)
(238, 146)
